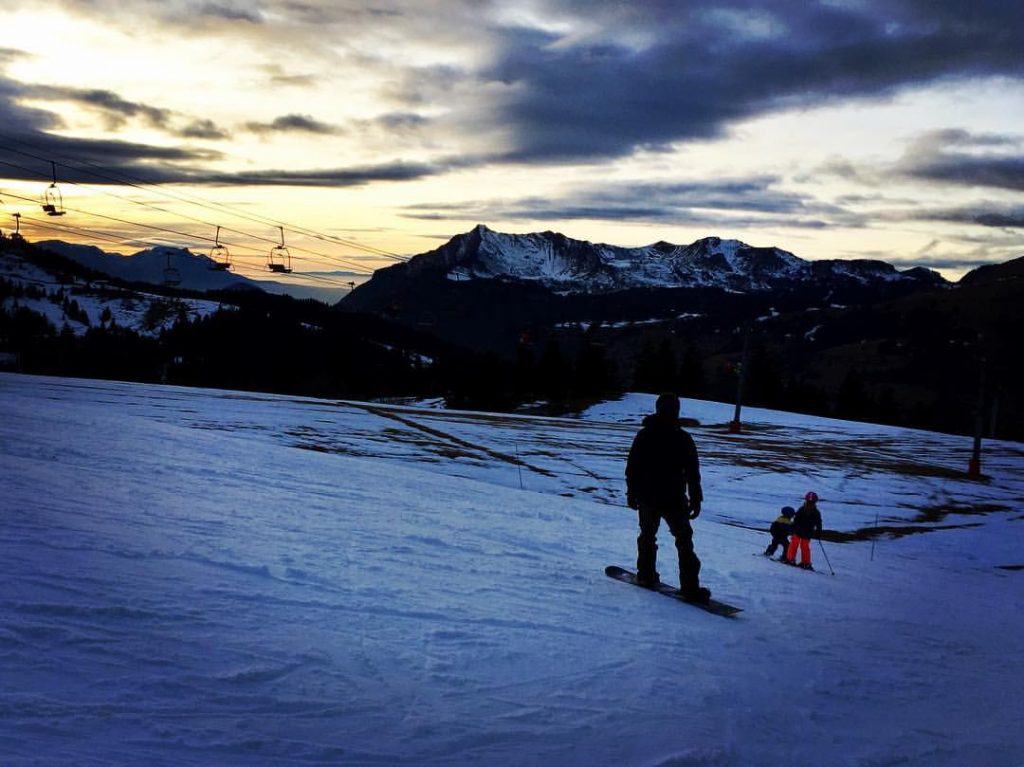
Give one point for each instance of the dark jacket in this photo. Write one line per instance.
(663, 465)
(807, 522)
(781, 527)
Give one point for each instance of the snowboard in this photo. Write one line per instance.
(712, 606)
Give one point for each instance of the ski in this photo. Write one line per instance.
(795, 567)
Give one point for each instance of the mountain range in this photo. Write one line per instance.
(569, 266)
(898, 345)
(484, 288)
(182, 268)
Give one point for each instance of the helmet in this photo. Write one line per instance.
(811, 497)
(788, 511)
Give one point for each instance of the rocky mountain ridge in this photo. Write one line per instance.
(568, 266)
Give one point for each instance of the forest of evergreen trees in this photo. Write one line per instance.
(278, 344)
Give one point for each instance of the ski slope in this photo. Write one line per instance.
(199, 577)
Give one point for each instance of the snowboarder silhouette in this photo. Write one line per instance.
(661, 468)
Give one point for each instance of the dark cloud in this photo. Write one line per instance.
(965, 159)
(7, 55)
(293, 123)
(616, 77)
(279, 76)
(941, 263)
(842, 168)
(1013, 220)
(97, 162)
(27, 156)
(990, 215)
(27, 145)
(401, 121)
(666, 72)
(116, 111)
(204, 129)
(732, 202)
(230, 12)
(337, 177)
(15, 118)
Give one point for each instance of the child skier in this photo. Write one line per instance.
(806, 525)
(780, 530)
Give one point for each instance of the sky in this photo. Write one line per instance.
(369, 131)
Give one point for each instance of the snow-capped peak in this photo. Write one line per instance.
(577, 266)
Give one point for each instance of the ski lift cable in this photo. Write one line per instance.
(362, 268)
(136, 202)
(209, 204)
(134, 223)
(119, 240)
(130, 223)
(177, 232)
(48, 225)
(43, 224)
(330, 258)
(154, 244)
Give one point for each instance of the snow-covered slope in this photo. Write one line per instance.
(575, 266)
(82, 304)
(219, 578)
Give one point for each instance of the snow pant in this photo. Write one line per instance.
(647, 544)
(776, 543)
(804, 544)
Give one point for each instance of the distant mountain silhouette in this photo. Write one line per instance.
(191, 271)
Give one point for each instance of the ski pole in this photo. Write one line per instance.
(824, 554)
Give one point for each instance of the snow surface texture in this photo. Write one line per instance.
(220, 578)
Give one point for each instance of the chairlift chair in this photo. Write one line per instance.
(279, 259)
(220, 258)
(53, 200)
(172, 277)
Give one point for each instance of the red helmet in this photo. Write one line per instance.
(811, 497)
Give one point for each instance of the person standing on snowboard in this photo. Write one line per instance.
(806, 525)
(661, 468)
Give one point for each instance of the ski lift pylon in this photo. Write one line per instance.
(220, 258)
(279, 259)
(16, 234)
(53, 201)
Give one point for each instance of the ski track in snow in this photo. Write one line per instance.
(223, 578)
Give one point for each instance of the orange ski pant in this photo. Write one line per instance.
(805, 549)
